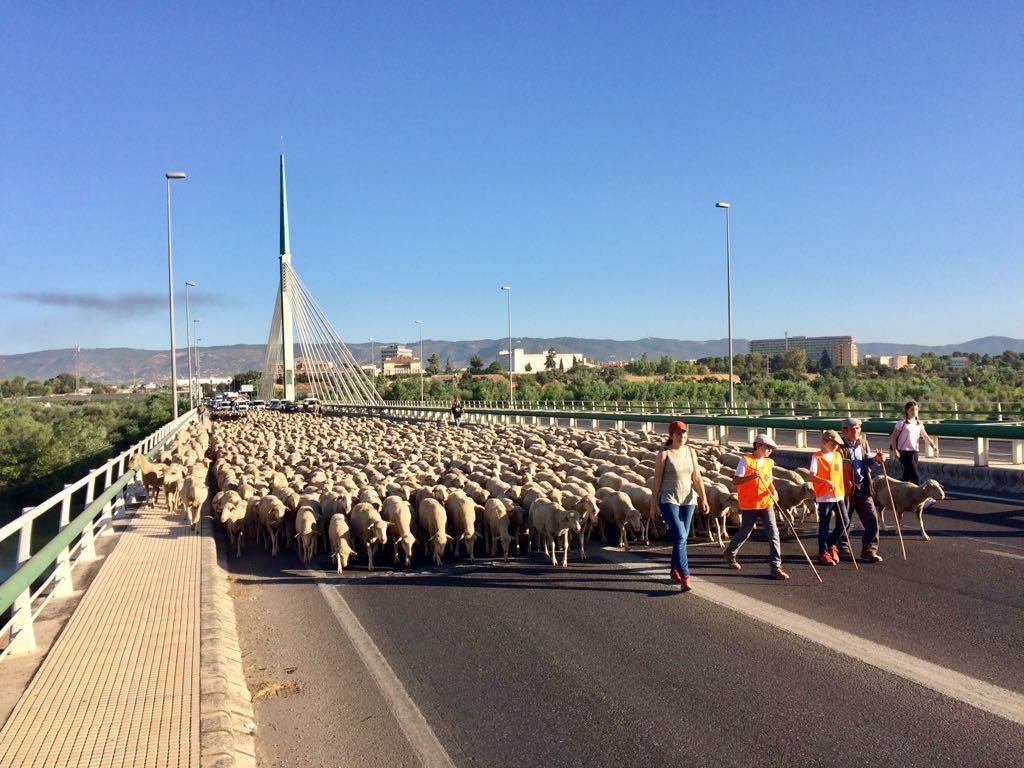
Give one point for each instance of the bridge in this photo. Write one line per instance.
(131, 642)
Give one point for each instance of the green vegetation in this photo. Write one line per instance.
(46, 444)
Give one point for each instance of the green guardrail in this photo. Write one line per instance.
(37, 565)
(949, 428)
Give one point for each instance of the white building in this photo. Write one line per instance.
(524, 362)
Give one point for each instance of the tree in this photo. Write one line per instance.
(476, 364)
(549, 360)
(494, 367)
(448, 365)
(825, 362)
(433, 365)
(529, 367)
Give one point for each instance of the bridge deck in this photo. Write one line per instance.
(120, 687)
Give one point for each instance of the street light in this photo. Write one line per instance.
(508, 295)
(373, 359)
(199, 381)
(188, 344)
(420, 324)
(170, 297)
(728, 283)
(195, 335)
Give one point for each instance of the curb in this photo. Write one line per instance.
(226, 721)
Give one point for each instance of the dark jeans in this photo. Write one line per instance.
(864, 506)
(825, 512)
(679, 520)
(911, 472)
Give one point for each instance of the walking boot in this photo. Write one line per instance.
(730, 559)
(778, 574)
(870, 557)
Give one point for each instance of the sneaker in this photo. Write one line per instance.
(870, 557)
(846, 556)
(677, 577)
(825, 558)
(778, 574)
(834, 551)
(730, 559)
(684, 585)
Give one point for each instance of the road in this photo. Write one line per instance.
(605, 664)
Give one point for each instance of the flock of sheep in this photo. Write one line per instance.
(349, 487)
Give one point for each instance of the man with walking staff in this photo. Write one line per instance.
(857, 458)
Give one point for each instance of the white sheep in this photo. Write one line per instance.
(368, 527)
(433, 520)
(907, 498)
(338, 540)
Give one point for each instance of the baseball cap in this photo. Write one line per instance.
(677, 426)
(831, 434)
(763, 438)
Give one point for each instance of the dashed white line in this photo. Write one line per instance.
(414, 725)
(977, 693)
(1001, 554)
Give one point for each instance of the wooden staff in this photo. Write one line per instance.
(789, 522)
(895, 513)
(846, 532)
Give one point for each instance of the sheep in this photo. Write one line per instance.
(641, 498)
(338, 539)
(461, 512)
(271, 512)
(305, 532)
(793, 495)
(174, 481)
(496, 526)
(722, 503)
(398, 515)
(193, 496)
(616, 507)
(907, 497)
(152, 475)
(551, 522)
(433, 519)
(232, 516)
(368, 527)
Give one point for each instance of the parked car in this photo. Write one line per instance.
(290, 407)
(259, 405)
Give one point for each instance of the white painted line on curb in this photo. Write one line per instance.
(968, 496)
(1001, 554)
(977, 693)
(425, 744)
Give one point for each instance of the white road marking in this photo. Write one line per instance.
(1001, 554)
(989, 542)
(977, 693)
(968, 496)
(414, 725)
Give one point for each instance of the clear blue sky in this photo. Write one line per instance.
(872, 154)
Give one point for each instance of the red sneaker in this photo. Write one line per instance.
(834, 551)
(825, 558)
(677, 577)
(684, 586)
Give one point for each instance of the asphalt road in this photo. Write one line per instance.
(605, 664)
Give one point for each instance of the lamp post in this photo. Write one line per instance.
(188, 344)
(199, 381)
(373, 358)
(170, 296)
(508, 296)
(195, 336)
(728, 283)
(420, 324)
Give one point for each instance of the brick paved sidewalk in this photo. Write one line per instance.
(120, 686)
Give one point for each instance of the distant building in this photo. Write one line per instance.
(523, 362)
(316, 366)
(896, 362)
(842, 350)
(400, 365)
(959, 362)
(394, 350)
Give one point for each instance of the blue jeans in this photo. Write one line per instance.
(767, 517)
(825, 510)
(679, 520)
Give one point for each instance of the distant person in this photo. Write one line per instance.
(457, 411)
(202, 412)
(857, 460)
(676, 491)
(757, 496)
(905, 439)
(829, 493)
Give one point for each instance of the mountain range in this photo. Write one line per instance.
(126, 365)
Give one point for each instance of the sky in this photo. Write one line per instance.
(871, 152)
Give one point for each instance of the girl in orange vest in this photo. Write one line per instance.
(827, 476)
(757, 497)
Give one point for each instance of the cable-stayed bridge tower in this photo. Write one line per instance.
(332, 371)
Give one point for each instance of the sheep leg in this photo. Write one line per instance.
(623, 537)
(565, 550)
(369, 556)
(920, 522)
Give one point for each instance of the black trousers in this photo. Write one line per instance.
(911, 472)
(862, 503)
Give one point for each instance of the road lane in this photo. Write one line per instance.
(521, 664)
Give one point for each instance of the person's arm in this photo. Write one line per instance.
(894, 438)
(740, 475)
(659, 472)
(698, 483)
(928, 438)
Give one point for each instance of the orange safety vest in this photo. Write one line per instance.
(754, 494)
(829, 469)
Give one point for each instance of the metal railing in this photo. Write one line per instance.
(978, 435)
(105, 498)
(880, 409)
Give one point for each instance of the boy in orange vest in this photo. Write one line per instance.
(827, 476)
(757, 497)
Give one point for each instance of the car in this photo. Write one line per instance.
(274, 405)
(310, 404)
(290, 407)
(259, 405)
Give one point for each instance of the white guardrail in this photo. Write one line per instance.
(19, 591)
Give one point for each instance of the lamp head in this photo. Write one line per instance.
(190, 284)
(506, 287)
(723, 204)
(175, 175)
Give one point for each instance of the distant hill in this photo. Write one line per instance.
(125, 365)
